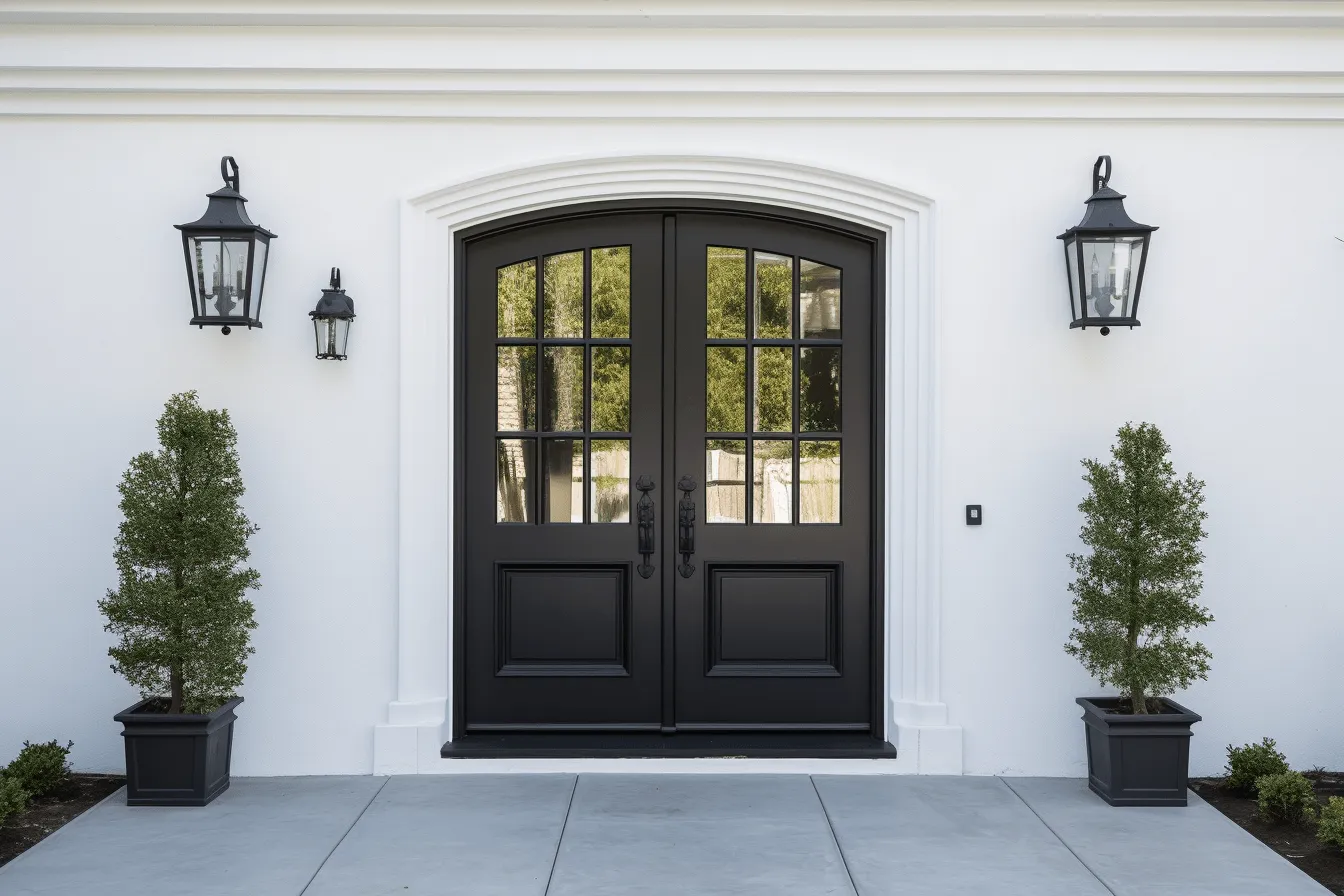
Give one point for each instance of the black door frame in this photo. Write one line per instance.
(878, 240)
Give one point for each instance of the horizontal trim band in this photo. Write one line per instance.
(685, 13)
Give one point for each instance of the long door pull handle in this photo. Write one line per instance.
(644, 513)
(686, 526)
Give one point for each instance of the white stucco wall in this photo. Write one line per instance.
(1236, 359)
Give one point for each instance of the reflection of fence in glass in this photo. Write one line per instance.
(726, 481)
(819, 482)
(513, 480)
(772, 481)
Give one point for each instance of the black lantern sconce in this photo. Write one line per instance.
(331, 320)
(226, 259)
(1105, 255)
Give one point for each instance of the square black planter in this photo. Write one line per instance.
(1137, 760)
(176, 760)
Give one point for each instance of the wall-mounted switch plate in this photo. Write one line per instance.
(973, 515)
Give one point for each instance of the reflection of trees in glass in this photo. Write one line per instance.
(562, 289)
(611, 388)
(726, 293)
(774, 389)
(819, 385)
(516, 388)
(725, 388)
(563, 385)
(611, 293)
(774, 296)
(516, 300)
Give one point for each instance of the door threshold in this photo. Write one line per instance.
(744, 745)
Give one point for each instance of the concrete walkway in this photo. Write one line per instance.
(683, 834)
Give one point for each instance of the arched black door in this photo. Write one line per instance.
(668, 473)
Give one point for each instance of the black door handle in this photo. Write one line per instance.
(644, 515)
(686, 526)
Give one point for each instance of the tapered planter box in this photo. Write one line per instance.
(1137, 760)
(176, 760)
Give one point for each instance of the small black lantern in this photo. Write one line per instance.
(1105, 254)
(226, 259)
(331, 320)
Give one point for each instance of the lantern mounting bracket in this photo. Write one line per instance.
(1100, 180)
(228, 169)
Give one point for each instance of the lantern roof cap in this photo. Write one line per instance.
(1105, 213)
(226, 209)
(334, 303)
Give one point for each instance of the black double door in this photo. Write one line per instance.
(668, 475)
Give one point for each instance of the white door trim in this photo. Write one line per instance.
(419, 720)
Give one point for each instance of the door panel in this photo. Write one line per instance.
(563, 413)
(774, 419)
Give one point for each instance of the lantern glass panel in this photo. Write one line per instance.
(258, 277)
(332, 335)
(1110, 274)
(1071, 257)
(220, 268)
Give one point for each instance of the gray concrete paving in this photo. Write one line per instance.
(1195, 851)
(717, 835)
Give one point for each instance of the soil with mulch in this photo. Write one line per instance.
(45, 814)
(1296, 843)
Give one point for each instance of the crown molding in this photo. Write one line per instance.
(686, 13)
(643, 94)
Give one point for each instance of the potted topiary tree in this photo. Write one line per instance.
(1134, 600)
(180, 608)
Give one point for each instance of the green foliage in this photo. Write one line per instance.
(1286, 798)
(40, 768)
(13, 798)
(1246, 764)
(1331, 829)
(180, 608)
(1135, 594)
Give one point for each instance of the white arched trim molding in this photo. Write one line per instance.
(418, 721)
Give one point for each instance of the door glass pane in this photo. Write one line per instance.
(564, 480)
(725, 388)
(725, 293)
(611, 481)
(516, 300)
(772, 481)
(562, 388)
(611, 388)
(562, 284)
(774, 296)
(611, 293)
(513, 480)
(819, 389)
(516, 388)
(819, 300)
(773, 393)
(819, 487)
(725, 481)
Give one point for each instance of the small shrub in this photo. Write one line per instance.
(1331, 829)
(1246, 764)
(40, 768)
(13, 798)
(1287, 798)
